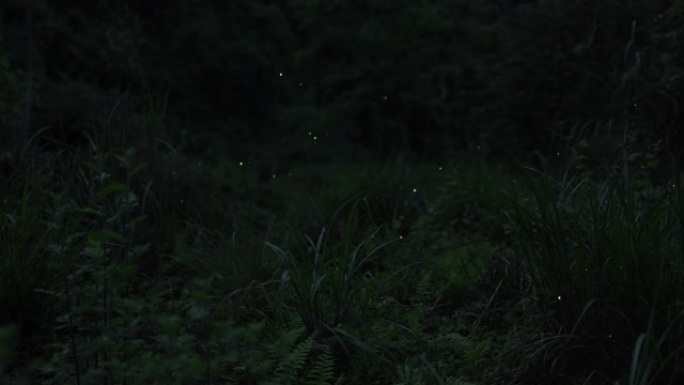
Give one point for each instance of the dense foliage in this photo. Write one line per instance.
(333, 191)
(428, 76)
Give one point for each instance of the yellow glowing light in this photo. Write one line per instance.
(241, 164)
(280, 74)
(315, 137)
(274, 175)
(309, 133)
(559, 297)
(415, 190)
(439, 168)
(401, 237)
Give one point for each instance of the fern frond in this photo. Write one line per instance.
(292, 364)
(425, 288)
(453, 342)
(285, 342)
(323, 368)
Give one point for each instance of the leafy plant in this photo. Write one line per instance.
(325, 271)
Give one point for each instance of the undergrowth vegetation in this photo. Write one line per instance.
(451, 274)
(605, 260)
(457, 192)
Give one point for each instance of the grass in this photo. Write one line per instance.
(132, 267)
(606, 262)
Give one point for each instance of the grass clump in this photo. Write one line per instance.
(605, 262)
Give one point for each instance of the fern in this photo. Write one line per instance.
(284, 343)
(452, 342)
(304, 362)
(323, 368)
(293, 363)
(425, 288)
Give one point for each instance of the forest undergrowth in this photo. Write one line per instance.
(318, 192)
(394, 273)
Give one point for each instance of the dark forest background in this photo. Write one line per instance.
(251, 78)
